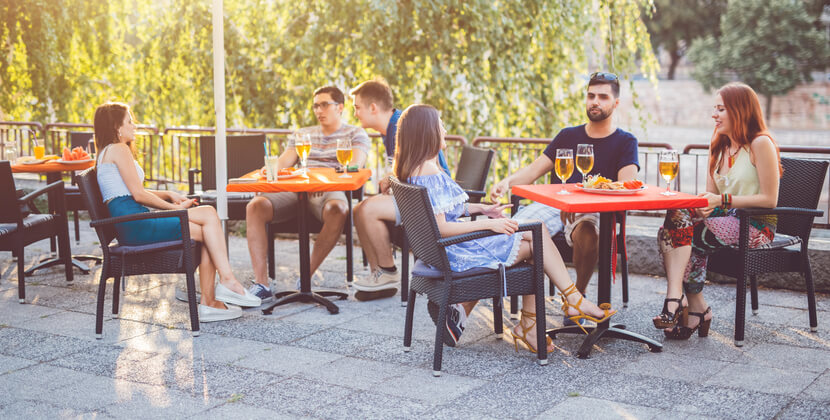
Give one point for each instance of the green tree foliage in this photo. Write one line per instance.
(771, 45)
(674, 24)
(503, 67)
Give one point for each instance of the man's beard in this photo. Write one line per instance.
(598, 117)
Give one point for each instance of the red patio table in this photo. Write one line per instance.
(583, 202)
(319, 180)
(54, 170)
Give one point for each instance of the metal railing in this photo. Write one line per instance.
(22, 133)
(694, 167)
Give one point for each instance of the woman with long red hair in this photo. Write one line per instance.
(744, 170)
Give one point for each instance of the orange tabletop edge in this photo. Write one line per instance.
(582, 202)
(320, 180)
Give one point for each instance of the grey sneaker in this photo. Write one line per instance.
(380, 284)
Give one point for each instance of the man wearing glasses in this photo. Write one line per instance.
(374, 107)
(615, 157)
(331, 208)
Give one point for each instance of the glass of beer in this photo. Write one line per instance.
(669, 163)
(584, 159)
(302, 144)
(344, 154)
(564, 166)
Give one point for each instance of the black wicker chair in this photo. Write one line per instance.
(798, 197)
(181, 256)
(433, 276)
(471, 175)
(20, 227)
(245, 154)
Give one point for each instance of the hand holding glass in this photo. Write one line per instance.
(584, 159)
(564, 166)
(669, 164)
(302, 144)
(344, 155)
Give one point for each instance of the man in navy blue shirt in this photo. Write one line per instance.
(615, 157)
(374, 107)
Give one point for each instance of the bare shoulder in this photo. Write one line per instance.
(762, 142)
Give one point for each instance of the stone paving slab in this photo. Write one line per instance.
(302, 362)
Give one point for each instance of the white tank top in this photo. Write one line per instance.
(110, 181)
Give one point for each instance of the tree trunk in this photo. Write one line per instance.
(768, 111)
(674, 55)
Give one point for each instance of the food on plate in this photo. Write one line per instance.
(26, 159)
(51, 157)
(286, 171)
(77, 153)
(600, 182)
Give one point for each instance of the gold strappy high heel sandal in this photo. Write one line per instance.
(525, 330)
(606, 307)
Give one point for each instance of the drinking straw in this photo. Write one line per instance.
(265, 146)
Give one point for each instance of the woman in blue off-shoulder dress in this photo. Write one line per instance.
(420, 137)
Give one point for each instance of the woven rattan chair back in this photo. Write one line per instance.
(245, 154)
(8, 194)
(800, 187)
(473, 168)
(419, 224)
(91, 193)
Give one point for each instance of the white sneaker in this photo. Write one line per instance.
(377, 281)
(211, 314)
(226, 295)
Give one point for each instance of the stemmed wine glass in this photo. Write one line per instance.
(564, 166)
(669, 163)
(584, 159)
(344, 155)
(302, 144)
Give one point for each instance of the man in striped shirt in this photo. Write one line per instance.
(331, 208)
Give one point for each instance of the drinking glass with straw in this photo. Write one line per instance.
(39, 149)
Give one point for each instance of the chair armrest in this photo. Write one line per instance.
(181, 214)
(516, 201)
(57, 185)
(452, 240)
(191, 180)
(475, 195)
(795, 211)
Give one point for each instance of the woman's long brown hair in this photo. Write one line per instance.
(747, 120)
(418, 139)
(109, 117)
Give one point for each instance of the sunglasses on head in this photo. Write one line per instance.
(605, 77)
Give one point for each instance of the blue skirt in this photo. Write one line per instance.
(142, 232)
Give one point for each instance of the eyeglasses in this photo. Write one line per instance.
(322, 105)
(605, 77)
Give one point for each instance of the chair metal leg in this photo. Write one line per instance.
(21, 275)
(407, 329)
(77, 226)
(191, 301)
(740, 309)
(65, 252)
(99, 310)
(811, 294)
(753, 293)
(440, 330)
(404, 270)
(514, 307)
(116, 296)
(497, 317)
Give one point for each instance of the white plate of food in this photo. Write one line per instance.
(610, 191)
(69, 162)
(29, 160)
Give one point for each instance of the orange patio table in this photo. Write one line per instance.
(583, 202)
(54, 170)
(319, 180)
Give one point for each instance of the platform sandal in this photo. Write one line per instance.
(605, 307)
(682, 332)
(668, 319)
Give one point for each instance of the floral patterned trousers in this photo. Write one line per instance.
(719, 230)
